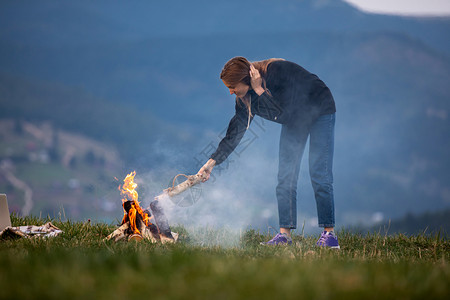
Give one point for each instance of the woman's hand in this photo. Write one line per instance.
(256, 80)
(206, 170)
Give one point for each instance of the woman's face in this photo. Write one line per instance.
(240, 90)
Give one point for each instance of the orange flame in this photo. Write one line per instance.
(129, 193)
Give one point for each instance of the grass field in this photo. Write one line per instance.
(79, 265)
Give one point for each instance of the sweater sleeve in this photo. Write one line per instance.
(236, 130)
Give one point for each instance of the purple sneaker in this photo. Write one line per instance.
(279, 239)
(328, 239)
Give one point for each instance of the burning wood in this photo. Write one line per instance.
(133, 212)
(138, 223)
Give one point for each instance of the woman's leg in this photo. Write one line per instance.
(321, 152)
(292, 145)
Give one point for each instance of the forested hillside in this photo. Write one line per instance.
(145, 77)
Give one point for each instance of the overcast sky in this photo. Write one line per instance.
(405, 7)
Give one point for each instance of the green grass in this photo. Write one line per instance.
(210, 263)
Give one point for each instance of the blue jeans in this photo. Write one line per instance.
(321, 148)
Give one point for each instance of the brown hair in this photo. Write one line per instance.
(237, 70)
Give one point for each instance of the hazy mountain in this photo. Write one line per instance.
(67, 22)
(390, 77)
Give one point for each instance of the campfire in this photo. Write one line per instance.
(151, 223)
(138, 224)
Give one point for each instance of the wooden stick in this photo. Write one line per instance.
(122, 233)
(188, 183)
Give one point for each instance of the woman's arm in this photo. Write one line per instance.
(236, 130)
(266, 105)
(256, 81)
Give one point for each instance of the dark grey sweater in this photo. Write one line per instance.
(297, 98)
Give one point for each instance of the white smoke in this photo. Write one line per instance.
(240, 194)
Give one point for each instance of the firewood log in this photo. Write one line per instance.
(120, 233)
(178, 189)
